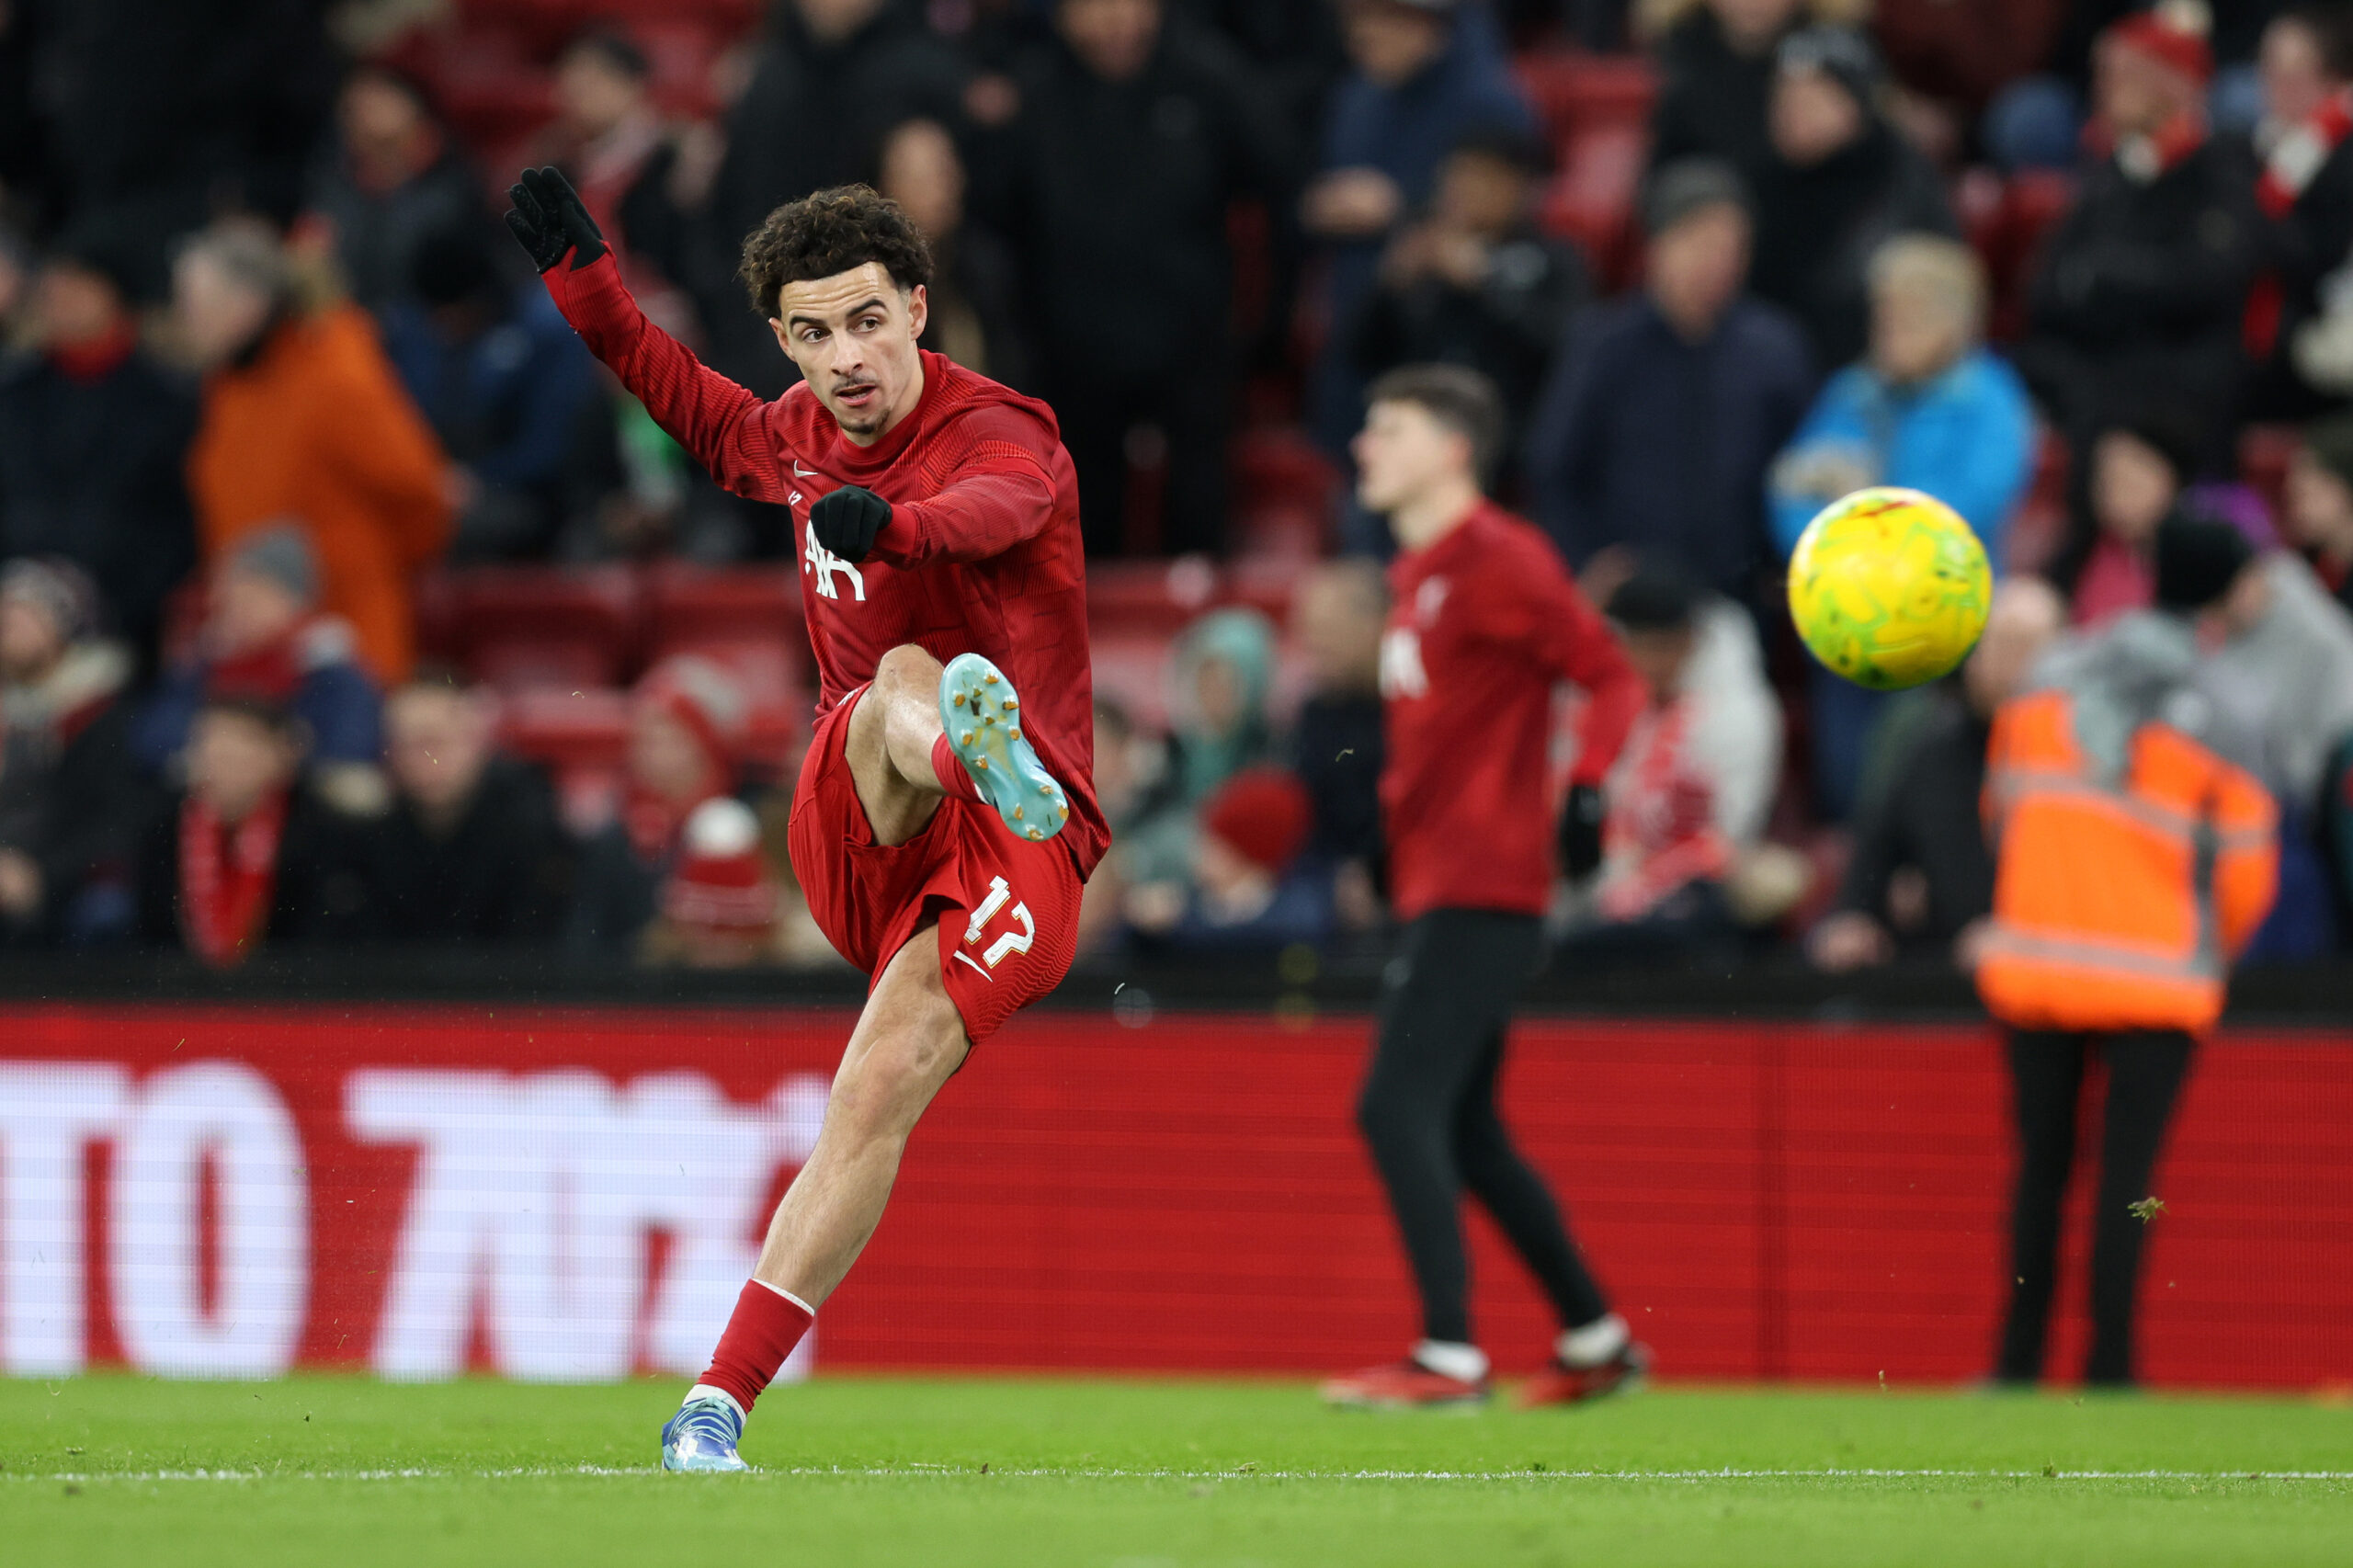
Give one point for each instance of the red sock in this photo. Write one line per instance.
(767, 1325)
(951, 769)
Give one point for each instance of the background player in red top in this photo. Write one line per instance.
(1485, 624)
(943, 826)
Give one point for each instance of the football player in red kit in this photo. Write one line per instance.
(946, 817)
(1485, 624)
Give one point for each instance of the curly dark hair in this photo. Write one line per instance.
(830, 232)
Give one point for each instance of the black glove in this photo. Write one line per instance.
(548, 220)
(846, 521)
(1580, 832)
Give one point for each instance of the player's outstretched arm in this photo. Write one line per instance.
(998, 495)
(702, 410)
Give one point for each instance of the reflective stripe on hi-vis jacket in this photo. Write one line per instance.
(2117, 906)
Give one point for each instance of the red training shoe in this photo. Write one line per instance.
(1563, 1384)
(1401, 1385)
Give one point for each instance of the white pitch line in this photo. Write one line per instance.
(1082, 1474)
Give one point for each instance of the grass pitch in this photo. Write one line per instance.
(1157, 1475)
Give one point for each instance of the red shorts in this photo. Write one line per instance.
(1007, 907)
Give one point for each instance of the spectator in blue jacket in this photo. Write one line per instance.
(506, 384)
(1422, 73)
(1664, 408)
(1929, 408)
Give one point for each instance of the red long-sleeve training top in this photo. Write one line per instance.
(1485, 623)
(982, 553)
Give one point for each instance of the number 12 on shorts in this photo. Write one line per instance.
(1011, 942)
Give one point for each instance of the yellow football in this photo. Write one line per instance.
(1888, 587)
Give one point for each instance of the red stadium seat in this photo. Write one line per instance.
(1133, 598)
(680, 50)
(2033, 201)
(1266, 582)
(489, 84)
(1284, 468)
(1596, 111)
(580, 738)
(2037, 199)
(434, 607)
(1279, 535)
(1286, 494)
(588, 727)
(768, 669)
(1575, 92)
(1592, 198)
(520, 627)
(747, 619)
(684, 601)
(548, 23)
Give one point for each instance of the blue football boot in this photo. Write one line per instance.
(702, 1435)
(983, 716)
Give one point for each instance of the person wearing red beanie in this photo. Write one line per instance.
(1262, 815)
(2169, 36)
(1245, 896)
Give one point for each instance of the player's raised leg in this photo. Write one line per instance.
(973, 510)
(922, 731)
(908, 1042)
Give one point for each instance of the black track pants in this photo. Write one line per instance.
(1429, 1111)
(2144, 1076)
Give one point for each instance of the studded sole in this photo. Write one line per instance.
(981, 714)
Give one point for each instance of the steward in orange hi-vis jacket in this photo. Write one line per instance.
(2133, 862)
(2121, 894)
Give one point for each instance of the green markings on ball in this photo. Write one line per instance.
(1889, 588)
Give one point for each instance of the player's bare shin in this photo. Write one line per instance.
(907, 1043)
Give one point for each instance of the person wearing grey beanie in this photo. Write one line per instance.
(282, 552)
(265, 633)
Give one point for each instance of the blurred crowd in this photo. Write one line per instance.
(2082, 268)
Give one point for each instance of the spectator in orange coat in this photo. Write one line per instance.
(304, 417)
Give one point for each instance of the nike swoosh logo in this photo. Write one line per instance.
(800, 472)
(984, 973)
